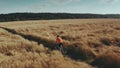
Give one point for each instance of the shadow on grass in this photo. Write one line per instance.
(46, 43)
(73, 52)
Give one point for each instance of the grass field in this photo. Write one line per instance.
(89, 43)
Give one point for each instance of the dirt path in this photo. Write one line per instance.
(46, 43)
(30, 37)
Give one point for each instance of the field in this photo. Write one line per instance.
(90, 43)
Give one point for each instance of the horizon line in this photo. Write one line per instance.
(65, 13)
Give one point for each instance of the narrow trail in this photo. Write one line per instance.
(39, 40)
(47, 43)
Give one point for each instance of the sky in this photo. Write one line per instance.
(60, 6)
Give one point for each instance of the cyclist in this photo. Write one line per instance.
(59, 43)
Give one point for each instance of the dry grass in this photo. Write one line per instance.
(108, 59)
(17, 52)
(91, 40)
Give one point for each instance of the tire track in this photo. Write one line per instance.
(46, 43)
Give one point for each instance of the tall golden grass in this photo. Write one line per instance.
(90, 40)
(17, 52)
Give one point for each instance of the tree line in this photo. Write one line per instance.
(49, 16)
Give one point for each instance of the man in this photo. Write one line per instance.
(59, 43)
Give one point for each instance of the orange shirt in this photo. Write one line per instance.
(59, 40)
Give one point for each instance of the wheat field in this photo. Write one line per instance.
(90, 43)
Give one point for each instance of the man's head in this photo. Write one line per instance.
(58, 36)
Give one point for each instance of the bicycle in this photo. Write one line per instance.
(60, 48)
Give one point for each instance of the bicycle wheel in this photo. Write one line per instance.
(62, 50)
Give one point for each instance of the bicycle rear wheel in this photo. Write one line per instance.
(62, 50)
